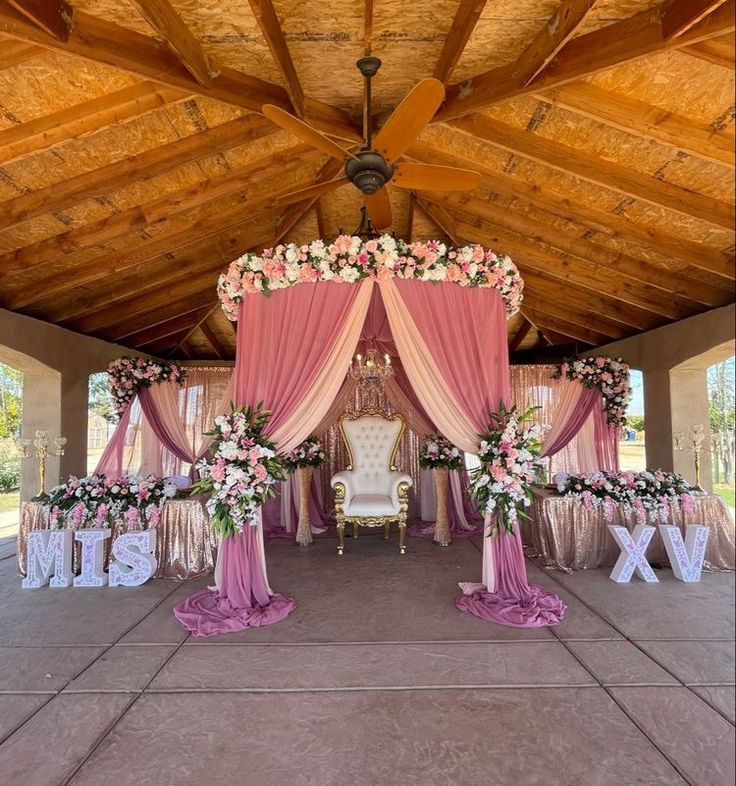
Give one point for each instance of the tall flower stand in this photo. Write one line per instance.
(442, 524)
(304, 528)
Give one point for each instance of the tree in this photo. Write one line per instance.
(636, 422)
(11, 402)
(722, 416)
(100, 402)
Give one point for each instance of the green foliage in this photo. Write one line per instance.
(11, 402)
(636, 422)
(722, 419)
(100, 401)
(9, 479)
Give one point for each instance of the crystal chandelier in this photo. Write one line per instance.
(371, 368)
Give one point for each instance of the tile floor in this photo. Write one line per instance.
(375, 680)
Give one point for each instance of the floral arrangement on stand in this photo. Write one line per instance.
(241, 471)
(127, 375)
(130, 502)
(610, 375)
(510, 464)
(438, 451)
(648, 495)
(349, 259)
(309, 454)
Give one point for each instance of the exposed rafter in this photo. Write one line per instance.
(212, 339)
(550, 39)
(166, 329)
(111, 44)
(631, 39)
(521, 334)
(367, 27)
(52, 16)
(265, 15)
(165, 20)
(718, 51)
(13, 53)
(678, 17)
(75, 122)
(681, 290)
(121, 173)
(547, 199)
(466, 18)
(602, 172)
(643, 120)
(238, 181)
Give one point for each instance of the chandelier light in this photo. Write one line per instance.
(371, 368)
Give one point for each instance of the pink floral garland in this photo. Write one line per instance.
(349, 259)
(610, 375)
(127, 375)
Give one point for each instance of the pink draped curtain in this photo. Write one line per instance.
(294, 349)
(452, 343)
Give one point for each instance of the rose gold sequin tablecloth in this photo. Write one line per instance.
(185, 544)
(561, 533)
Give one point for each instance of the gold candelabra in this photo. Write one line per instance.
(42, 452)
(696, 438)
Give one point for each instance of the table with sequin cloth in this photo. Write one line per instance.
(562, 533)
(185, 544)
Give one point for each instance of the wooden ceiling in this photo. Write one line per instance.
(135, 163)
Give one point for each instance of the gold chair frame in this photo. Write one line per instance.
(403, 489)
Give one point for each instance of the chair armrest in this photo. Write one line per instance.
(399, 479)
(345, 479)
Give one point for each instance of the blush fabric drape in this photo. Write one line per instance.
(294, 349)
(452, 343)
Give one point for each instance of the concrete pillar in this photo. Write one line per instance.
(689, 406)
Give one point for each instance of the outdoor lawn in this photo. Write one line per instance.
(9, 501)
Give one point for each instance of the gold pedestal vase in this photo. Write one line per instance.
(442, 524)
(304, 528)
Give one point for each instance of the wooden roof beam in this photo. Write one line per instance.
(212, 340)
(165, 329)
(129, 325)
(550, 39)
(54, 17)
(718, 51)
(74, 122)
(238, 181)
(367, 27)
(520, 334)
(104, 42)
(643, 298)
(143, 165)
(547, 323)
(631, 39)
(193, 328)
(643, 120)
(271, 30)
(13, 53)
(599, 171)
(466, 18)
(548, 200)
(165, 20)
(690, 292)
(678, 16)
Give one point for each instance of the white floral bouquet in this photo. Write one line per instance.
(127, 375)
(610, 375)
(130, 502)
(651, 494)
(309, 453)
(438, 451)
(241, 471)
(510, 464)
(349, 259)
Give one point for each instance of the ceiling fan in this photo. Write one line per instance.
(375, 165)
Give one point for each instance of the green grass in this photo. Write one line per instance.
(727, 494)
(9, 500)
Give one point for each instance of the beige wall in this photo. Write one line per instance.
(56, 365)
(674, 360)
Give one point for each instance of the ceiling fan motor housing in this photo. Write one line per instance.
(368, 171)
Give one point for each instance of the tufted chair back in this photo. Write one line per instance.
(372, 439)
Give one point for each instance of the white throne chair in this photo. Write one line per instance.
(370, 492)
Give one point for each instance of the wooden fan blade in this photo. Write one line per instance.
(428, 177)
(305, 132)
(311, 191)
(378, 206)
(409, 119)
